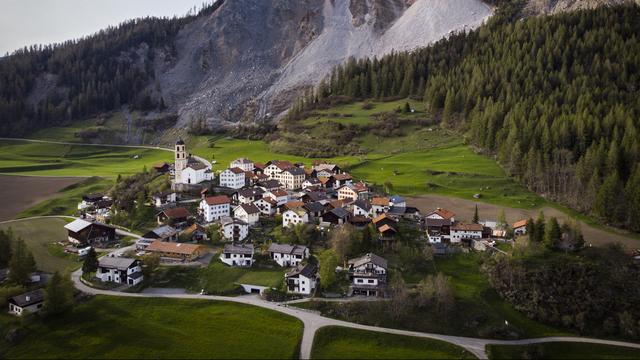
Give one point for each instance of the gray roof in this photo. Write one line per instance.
(250, 208)
(228, 220)
(248, 192)
(438, 222)
(164, 231)
(314, 207)
(295, 171)
(34, 297)
(369, 258)
(308, 270)
(340, 212)
(119, 263)
(287, 249)
(363, 204)
(77, 225)
(238, 249)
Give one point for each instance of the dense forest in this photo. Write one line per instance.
(95, 74)
(555, 99)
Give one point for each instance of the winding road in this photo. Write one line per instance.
(313, 321)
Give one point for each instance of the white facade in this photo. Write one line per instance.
(195, 175)
(234, 229)
(131, 276)
(237, 256)
(213, 212)
(302, 281)
(244, 164)
(181, 161)
(272, 171)
(266, 207)
(288, 255)
(358, 211)
(249, 217)
(292, 179)
(233, 178)
(279, 196)
(459, 235)
(294, 217)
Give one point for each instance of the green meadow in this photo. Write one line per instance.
(46, 159)
(148, 328)
(561, 350)
(334, 342)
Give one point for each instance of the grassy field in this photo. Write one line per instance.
(40, 236)
(42, 159)
(217, 278)
(65, 202)
(356, 114)
(121, 328)
(335, 342)
(561, 350)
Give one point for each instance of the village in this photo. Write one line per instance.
(240, 203)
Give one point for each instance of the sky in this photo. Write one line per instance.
(28, 22)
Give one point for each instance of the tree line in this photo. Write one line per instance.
(42, 86)
(554, 98)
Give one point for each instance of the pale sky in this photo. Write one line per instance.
(28, 22)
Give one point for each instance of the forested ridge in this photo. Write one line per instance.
(556, 99)
(95, 74)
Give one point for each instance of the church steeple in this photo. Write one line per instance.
(181, 160)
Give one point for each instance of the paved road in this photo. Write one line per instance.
(312, 321)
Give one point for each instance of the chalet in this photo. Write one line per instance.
(315, 209)
(26, 303)
(267, 206)
(520, 227)
(258, 168)
(162, 168)
(368, 275)
(173, 216)
(164, 198)
(247, 196)
(382, 220)
(331, 169)
(275, 167)
(310, 173)
(327, 181)
(195, 232)
(292, 178)
(360, 221)
(84, 233)
(162, 233)
(465, 232)
(142, 243)
(311, 196)
(249, 213)
(233, 178)
(361, 208)
(233, 229)
(387, 232)
(397, 201)
(379, 205)
(325, 173)
(196, 173)
(214, 207)
(176, 251)
(337, 216)
(353, 191)
(279, 196)
(302, 280)
(294, 217)
(342, 180)
(119, 270)
(438, 225)
(290, 205)
(270, 185)
(237, 255)
(242, 163)
(288, 255)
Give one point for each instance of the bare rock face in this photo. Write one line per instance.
(251, 58)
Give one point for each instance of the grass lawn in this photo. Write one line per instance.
(355, 114)
(471, 286)
(42, 159)
(40, 235)
(562, 350)
(66, 201)
(108, 327)
(335, 342)
(217, 278)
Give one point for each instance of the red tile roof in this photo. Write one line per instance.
(217, 200)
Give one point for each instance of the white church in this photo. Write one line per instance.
(189, 170)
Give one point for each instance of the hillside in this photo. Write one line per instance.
(236, 60)
(555, 99)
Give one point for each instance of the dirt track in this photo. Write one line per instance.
(464, 210)
(20, 192)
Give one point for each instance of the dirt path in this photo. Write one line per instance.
(18, 193)
(464, 211)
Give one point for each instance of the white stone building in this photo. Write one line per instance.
(214, 207)
(233, 178)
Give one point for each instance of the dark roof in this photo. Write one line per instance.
(363, 204)
(340, 212)
(236, 170)
(34, 297)
(250, 208)
(308, 270)
(287, 249)
(197, 166)
(314, 207)
(249, 192)
(238, 249)
(180, 142)
(458, 226)
(295, 171)
(438, 222)
(164, 231)
(369, 258)
(270, 184)
(119, 263)
(92, 197)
